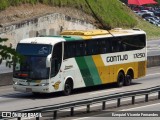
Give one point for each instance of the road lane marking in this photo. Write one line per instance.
(153, 74)
(105, 91)
(81, 118)
(141, 107)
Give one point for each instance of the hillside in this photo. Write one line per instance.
(106, 13)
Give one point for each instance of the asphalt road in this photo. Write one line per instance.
(11, 100)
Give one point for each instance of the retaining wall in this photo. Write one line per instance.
(49, 24)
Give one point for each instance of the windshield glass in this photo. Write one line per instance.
(32, 68)
(34, 49)
(33, 65)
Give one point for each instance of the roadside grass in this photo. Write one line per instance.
(108, 13)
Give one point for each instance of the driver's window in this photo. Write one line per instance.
(56, 59)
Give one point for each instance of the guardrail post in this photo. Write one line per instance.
(88, 108)
(103, 105)
(72, 111)
(133, 100)
(146, 98)
(158, 94)
(37, 118)
(19, 118)
(118, 102)
(55, 114)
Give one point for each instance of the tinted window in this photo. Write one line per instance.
(133, 42)
(69, 49)
(56, 59)
(34, 49)
(103, 45)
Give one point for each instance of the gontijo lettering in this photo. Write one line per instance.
(117, 58)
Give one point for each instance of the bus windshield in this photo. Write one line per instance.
(34, 49)
(33, 65)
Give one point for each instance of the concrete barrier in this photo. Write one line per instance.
(6, 78)
(153, 61)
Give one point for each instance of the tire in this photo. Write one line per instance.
(36, 93)
(68, 88)
(128, 80)
(120, 79)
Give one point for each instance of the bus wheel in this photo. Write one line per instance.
(68, 88)
(128, 80)
(36, 93)
(120, 79)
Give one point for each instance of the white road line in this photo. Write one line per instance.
(140, 107)
(105, 91)
(81, 118)
(153, 74)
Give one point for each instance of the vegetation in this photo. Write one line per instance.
(8, 54)
(109, 13)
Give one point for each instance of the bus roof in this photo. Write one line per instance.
(99, 32)
(77, 34)
(43, 40)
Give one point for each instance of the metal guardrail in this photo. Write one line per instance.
(88, 102)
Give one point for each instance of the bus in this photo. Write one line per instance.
(77, 59)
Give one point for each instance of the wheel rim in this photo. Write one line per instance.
(67, 88)
(121, 80)
(128, 80)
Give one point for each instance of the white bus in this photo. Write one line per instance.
(77, 59)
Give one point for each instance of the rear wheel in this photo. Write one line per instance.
(120, 79)
(68, 88)
(128, 80)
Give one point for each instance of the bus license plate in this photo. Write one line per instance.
(28, 90)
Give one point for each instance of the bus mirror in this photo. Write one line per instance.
(48, 61)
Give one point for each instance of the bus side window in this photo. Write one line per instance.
(80, 49)
(103, 47)
(120, 46)
(89, 47)
(114, 45)
(69, 49)
(117, 45)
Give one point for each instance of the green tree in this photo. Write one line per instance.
(7, 53)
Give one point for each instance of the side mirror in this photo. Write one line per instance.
(48, 61)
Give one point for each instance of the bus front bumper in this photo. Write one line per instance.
(39, 89)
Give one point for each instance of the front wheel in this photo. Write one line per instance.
(67, 88)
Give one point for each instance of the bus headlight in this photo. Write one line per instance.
(44, 84)
(15, 83)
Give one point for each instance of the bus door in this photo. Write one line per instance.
(56, 62)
